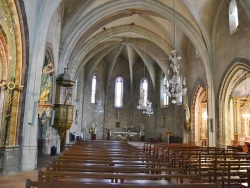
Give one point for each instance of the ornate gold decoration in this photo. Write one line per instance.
(91, 130)
(11, 86)
(63, 118)
(12, 97)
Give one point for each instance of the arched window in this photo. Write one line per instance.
(118, 92)
(144, 91)
(93, 89)
(164, 97)
(233, 17)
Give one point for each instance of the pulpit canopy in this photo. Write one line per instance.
(64, 80)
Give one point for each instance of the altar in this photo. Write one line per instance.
(125, 135)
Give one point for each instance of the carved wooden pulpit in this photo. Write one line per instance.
(63, 121)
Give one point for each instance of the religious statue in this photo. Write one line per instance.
(203, 128)
(46, 83)
(187, 118)
(67, 100)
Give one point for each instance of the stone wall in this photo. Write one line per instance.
(129, 115)
(228, 47)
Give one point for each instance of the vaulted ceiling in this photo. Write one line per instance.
(94, 30)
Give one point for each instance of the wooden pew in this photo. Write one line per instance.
(246, 184)
(114, 169)
(234, 172)
(63, 176)
(218, 164)
(111, 163)
(158, 184)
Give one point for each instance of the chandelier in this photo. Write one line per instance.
(98, 107)
(149, 109)
(144, 104)
(175, 87)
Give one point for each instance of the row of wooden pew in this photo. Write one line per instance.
(113, 164)
(212, 164)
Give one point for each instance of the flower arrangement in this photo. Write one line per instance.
(125, 137)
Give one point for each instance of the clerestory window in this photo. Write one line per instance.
(233, 17)
(118, 93)
(93, 89)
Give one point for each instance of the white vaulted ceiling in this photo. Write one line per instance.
(134, 29)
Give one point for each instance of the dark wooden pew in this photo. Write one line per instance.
(113, 177)
(112, 164)
(145, 183)
(115, 169)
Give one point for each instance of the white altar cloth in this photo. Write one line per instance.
(126, 133)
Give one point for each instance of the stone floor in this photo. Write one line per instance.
(18, 180)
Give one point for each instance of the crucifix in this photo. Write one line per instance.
(118, 114)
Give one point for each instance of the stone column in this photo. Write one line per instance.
(11, 159)
(29, 139)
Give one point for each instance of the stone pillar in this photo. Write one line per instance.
(11, 159)
(235, 114)
(29, 138)
(238, 118)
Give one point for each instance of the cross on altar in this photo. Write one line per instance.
(118, 113)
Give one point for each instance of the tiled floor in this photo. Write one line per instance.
(18, 180)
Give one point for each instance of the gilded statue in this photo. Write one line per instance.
(187, 118)
(46, 83)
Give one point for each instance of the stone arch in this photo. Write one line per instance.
(13, 59)
(231, 78)
(3, 72)
(199, 93)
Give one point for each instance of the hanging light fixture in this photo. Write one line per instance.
(98, 107)
(175, 87)
(149, 108)
(144, 103)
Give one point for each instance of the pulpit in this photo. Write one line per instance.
(63, 112)
(63, 121)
